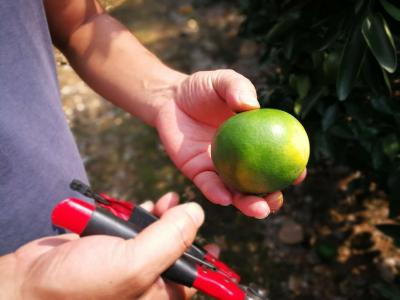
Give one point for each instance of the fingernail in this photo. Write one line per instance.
(147, 205)
(262, 210)
(225, 201)
(224, 198)
(280, 200)
(173, 198)
(195, 212)
(248, 99)
(276, 202)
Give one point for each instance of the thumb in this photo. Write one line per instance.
(158, 246)
(238, 91)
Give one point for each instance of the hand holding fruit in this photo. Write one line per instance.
(187, 126)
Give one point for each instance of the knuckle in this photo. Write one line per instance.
(229, 71)
(228, 74)
(182, 230)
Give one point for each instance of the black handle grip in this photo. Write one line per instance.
(141, 218)
(183, 271)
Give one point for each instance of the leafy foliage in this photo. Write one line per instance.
(334, 65)
(386, 291)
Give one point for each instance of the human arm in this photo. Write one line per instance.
(104, 267)
(186, 110)
(110, 59)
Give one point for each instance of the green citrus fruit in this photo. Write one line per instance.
(260, 151)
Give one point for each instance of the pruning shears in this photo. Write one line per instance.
(108, 216)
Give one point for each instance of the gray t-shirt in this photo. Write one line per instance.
(38, 156)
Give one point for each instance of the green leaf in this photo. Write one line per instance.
(300, 83)
(293, 81)
(359, 5)
(392, 230)
(364, 131)
(380, 40)
(358, 112)
(329, 117)
(311, 100)
(331, 37)
(386, 291)
(266, 56)
(321, 145)
(280, 29)
(343, 131)
(330, 66)
(391, 9)
(375, 77)
(394, 180)
(333, 32)
(317, 59)
(377, 156)
(387, 81)
(394, 193)
(382, 104)
(289, 47)
(350, 63)
(391, 146)
(303, 86)
(326, 30)
(297, 108)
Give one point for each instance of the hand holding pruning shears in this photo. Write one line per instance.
(194, 267)
(106, 267)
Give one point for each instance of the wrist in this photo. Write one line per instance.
(164, 93)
